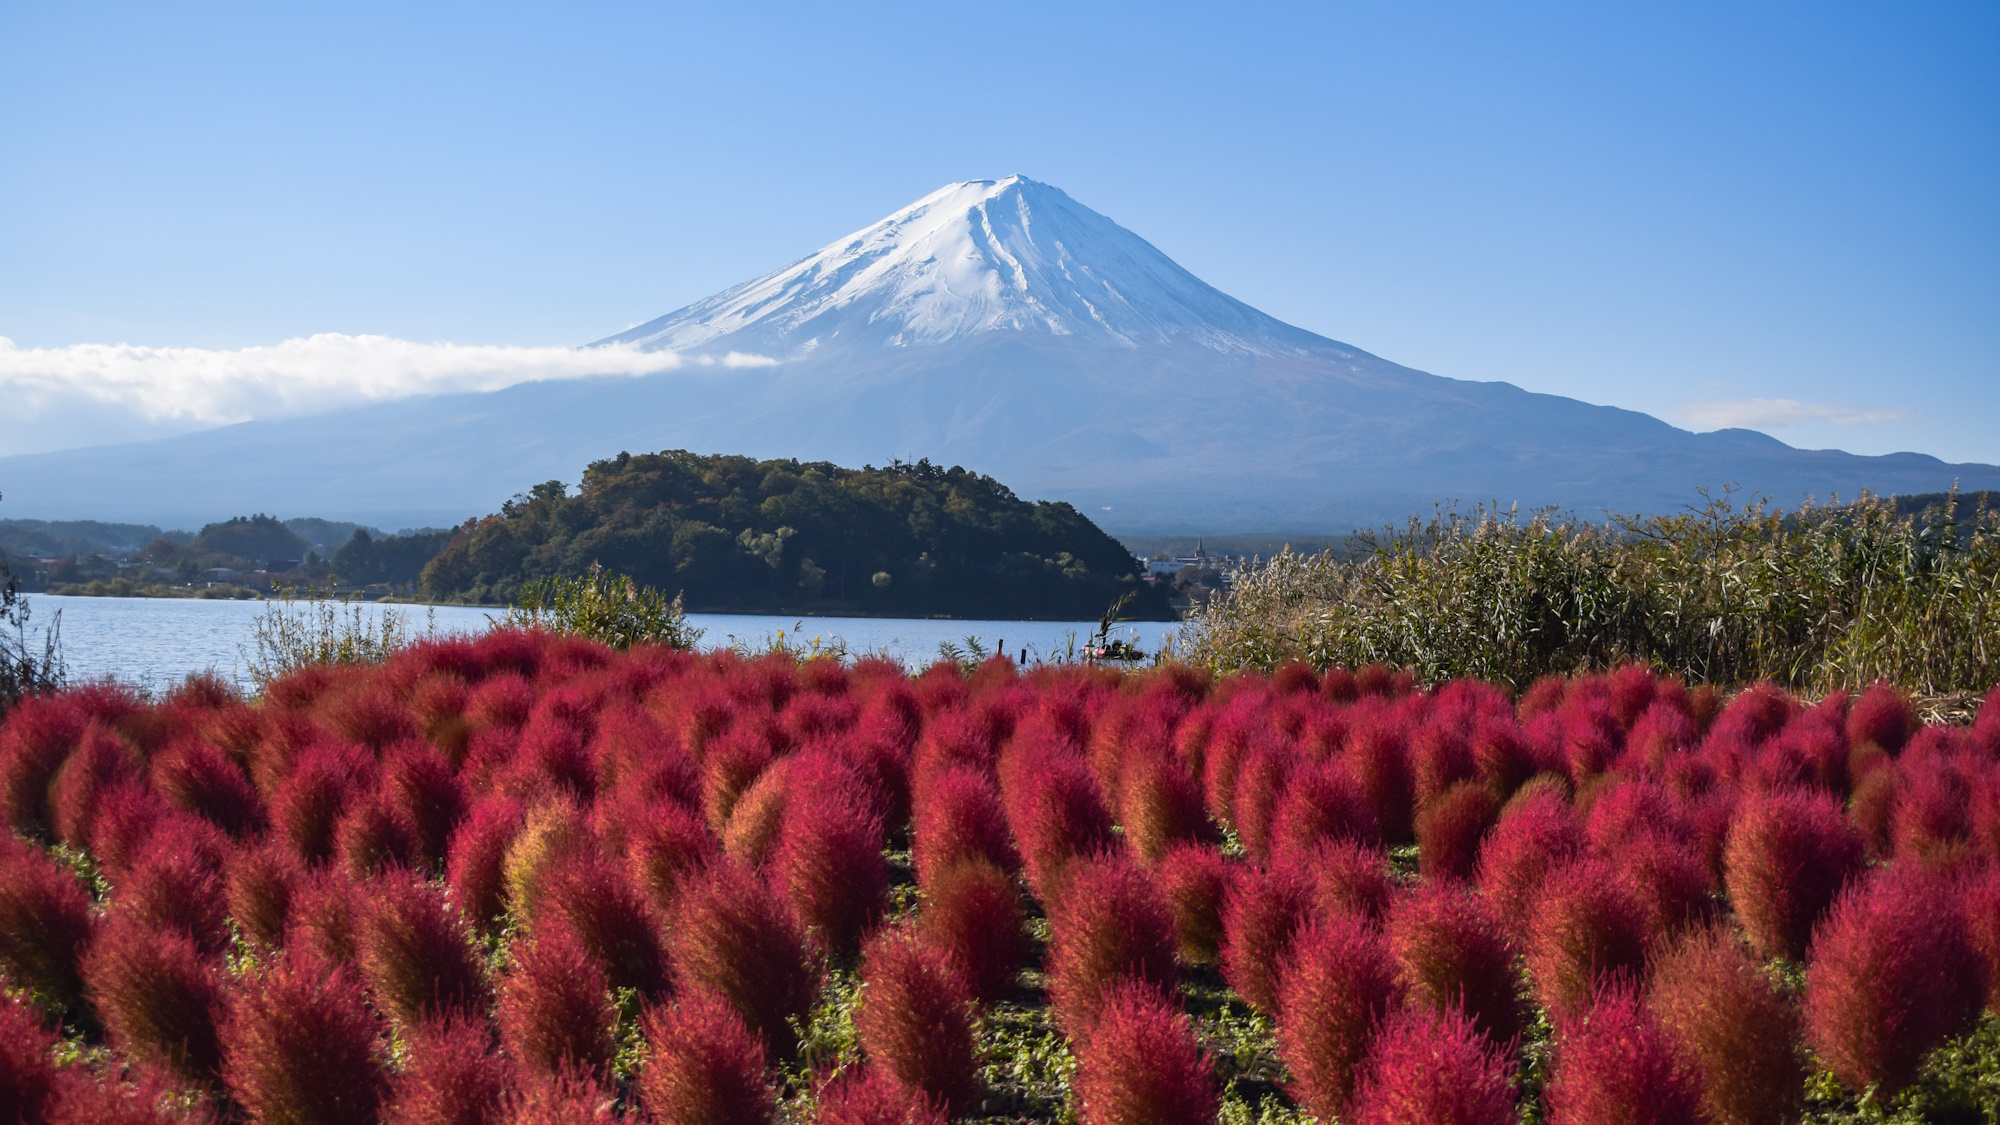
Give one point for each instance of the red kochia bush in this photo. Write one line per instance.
(1262, 913)
(1348, 877)
(159, 997)
(1740, 1036)
(44, 924)
(972, 913)
(1432, 1068)
(27, 1069)
(1140, 1065)
(733, 936)
(301, 1047)
(477, 861)
(1788, 855)
(866, 1096)
(1891, 977)
(451, 1076)
(201, 779)
(555, 1009)
(914, 1020)
(1586, 929)
(39, 734)
(1339, 982)
(99, 763)
(416, 952)
(1536, 832)
(1982, 928)
(308, 804)
(1616, 1065)
(829, 867)
(1195, 880)
(1113, 928)
(1056, 815)
(1451, 952)
(602, 908)
(568, 1098)
(425, 791)
(960, 818)
(1159, 804)
(1883, 717)
(1321, 804)
(261, 882)
(703, 1066)
(1450, 827)
(666, 843)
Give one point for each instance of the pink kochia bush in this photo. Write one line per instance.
(301, 1046)
(1433, 1068)
(461, 885)
(1140, 1065)
(703, 1066)
(914, 1021)
(1340, 981)
(1892, 976)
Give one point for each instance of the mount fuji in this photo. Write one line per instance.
(1002, 326)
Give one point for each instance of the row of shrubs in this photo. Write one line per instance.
(1838, 596)
(527, 878)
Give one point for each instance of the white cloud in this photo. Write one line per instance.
(1771, 413)
(86, 394)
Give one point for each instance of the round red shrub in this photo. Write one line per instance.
(866, 1096)
(1057, 816)
(1112, 927)
(1348, 878)
(1788, 855)
(28, 1079)
(1981, 904)
(1451, 952)
(101, 761)
(1882, 716)
(1740, 1036)
(325, 919)
(914, 1019)
(703, 1066)
(1536, 832)
(972, 913)
(426, 794)
(261, 881)
(1159, 804)
(666, 844)
(734, 937)
(375, 835)
(307, 807)
(960, 818)
(1140, 1065)
(728, 768)
(1586, 929)
(1262, 913)
(1450, 828)
(301, 1047)
(555, 1009)
(1339, 982)
(1321, 804)
(416, 951)
(476, 859)
(1891, 976)
(1195, 880)
(451, 1076)
(37, 738)
(605, 912)
(44, 925)
(1615, 1064)
(175, 883)
(1669, 881)
(830, 869)
(1378, 759)
(1433, 1068)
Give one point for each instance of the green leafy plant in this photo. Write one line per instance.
(606, 607)
(300, 630)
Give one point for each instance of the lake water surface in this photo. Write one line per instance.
(156, 642)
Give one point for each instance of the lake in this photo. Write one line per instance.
(155, 642)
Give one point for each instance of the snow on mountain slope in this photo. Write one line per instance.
(982, 256)
(1003, 326)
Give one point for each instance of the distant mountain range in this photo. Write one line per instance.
(1002, 326)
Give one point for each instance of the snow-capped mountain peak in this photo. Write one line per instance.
(982, 256)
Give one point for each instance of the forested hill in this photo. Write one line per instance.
(740, 535)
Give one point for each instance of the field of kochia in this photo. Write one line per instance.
(526, 878)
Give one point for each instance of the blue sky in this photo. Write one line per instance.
(1678, 208)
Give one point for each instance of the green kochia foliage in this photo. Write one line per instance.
(737, 534)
